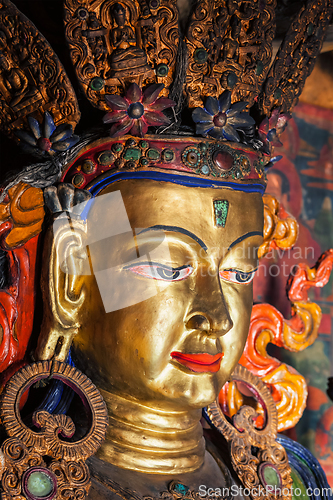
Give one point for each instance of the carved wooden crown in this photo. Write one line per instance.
(133, 62)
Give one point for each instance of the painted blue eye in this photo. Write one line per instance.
(236, 276)
(160, 272)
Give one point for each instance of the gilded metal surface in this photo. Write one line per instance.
(242, 436)
(280, 228)
(26, 448)
(296, 57)
(32, 79)
(141, 437)
(116, 43)
(203, 313)
(230, 48)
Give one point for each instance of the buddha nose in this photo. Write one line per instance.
(209, 312)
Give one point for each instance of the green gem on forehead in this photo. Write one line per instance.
(221, 208)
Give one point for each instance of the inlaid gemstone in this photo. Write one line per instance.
(269, 475)
(168, 155)
(200, 56)
(132, 154)
(153, 154)
(39, 484)
(88, 166)
(259, 68)
(232, 79)
(205, 169)
(162, 70)
(117, 147)
(106, 158)
(44, 144)
(178, 488)
(221, 208)
(222, 160)
(135, 110)
(97, 83)
(78, 180)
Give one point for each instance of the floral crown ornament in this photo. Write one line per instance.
(137, 110)
(133, 62)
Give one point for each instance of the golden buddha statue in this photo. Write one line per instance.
(149, 252)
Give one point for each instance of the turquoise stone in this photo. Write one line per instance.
(270, 476)
(153, 154)
(221, 208)
(277, 94)
(39, 484)
(117, 147)
(168, 155)
(259, 68)
(132, 154)
(205, 169)
(181, 488)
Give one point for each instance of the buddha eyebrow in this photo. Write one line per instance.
(244, 237)
(177, 230)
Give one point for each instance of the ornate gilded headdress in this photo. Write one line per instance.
(214, 103)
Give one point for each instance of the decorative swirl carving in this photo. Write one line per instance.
(230, 47)
(73, 479)
(295, 58)
(47, 441)
(28, 74)
(27, 449)
(24, 208)
(267, 325)
(280, 228)
(115, 43)
(244, 438)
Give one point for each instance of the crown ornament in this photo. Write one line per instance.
(217, 81)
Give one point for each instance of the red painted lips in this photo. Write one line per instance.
(199, 362)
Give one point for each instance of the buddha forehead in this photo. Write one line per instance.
(208, 213)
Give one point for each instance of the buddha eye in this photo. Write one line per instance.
(236, 276)
(156, 271)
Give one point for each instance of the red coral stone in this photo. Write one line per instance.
(223, 160)
(44, 144)
(220, 120)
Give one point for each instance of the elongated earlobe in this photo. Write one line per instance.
(66, 266)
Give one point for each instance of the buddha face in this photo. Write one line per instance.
(167, 308)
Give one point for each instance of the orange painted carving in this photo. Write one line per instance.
(267, 325)
(25, 208)
(280, 228)
(21, 218)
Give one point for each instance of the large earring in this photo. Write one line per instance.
(37, 464)
(260, 462)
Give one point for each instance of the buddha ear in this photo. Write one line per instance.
(65, 270)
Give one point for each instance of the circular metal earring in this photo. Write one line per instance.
(38, 464)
